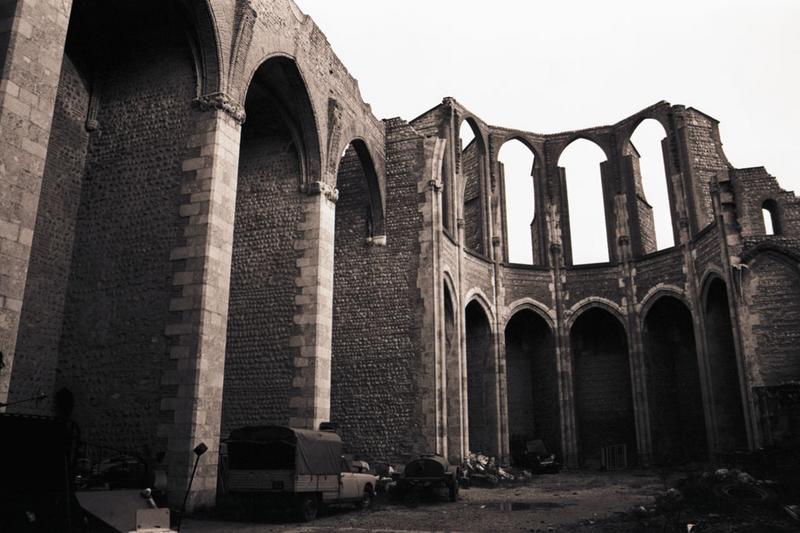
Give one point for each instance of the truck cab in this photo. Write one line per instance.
(303, 468)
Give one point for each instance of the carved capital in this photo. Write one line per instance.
(221, 102)
(435, 185)
(496, 241)
(555, 248)
(460, 222)
(623, 240)
(320, 187)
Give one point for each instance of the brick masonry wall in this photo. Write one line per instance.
(706, 160)
(113, 349)
(772, 296)
(603, 281)
(51, 252)
(258, 365)
(753, 187)
(527, 282)
(665, 267)
(705, 251)
(375, 361)
(478, 273)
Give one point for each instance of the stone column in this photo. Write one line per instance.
(310, 397)
(32, 36)
(191, 404)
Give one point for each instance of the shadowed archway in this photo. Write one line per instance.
(532, 384)
(603, 397)
(677, 421)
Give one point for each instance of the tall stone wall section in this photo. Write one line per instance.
(51, 251)
(258, 368)
(376, 329)
(113, 350)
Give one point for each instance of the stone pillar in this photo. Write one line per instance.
(32, 36)
(191, 404)
(566, 394)
(310, 398)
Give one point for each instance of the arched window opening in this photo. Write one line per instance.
(472, 159)
(532, 385)
(725, 386)
(516, 163)
(481, 385)
(769, 212)
(652, 185)
(603, 394)
(677, 420)
(587, 208)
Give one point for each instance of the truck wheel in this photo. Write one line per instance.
(307, 507)
(366, 499)
(453, 491)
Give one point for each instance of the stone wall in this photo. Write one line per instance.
(51, 252)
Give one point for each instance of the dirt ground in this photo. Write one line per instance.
(575, 501)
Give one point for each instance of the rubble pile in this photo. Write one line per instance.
(481, 470)
(705, 500)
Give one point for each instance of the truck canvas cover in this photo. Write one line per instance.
(283, 448)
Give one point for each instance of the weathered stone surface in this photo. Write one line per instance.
(185, 247)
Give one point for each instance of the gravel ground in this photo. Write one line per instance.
(574, 501)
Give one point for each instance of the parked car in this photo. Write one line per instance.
(302, 468)
(427, 473)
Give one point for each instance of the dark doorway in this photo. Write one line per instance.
(724, 370)
(603, 397)
(532, 384)
(481, 382)
(673, 384)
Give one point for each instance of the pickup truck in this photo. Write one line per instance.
(304, 468)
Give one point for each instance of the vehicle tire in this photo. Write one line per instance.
(307, 507)
(412, 497)
(453, 491)
(741, 493)
(367, 498)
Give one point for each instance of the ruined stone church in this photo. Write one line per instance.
(203, 226)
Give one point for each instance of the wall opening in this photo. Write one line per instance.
(481, 381)
(532, 384)
(472, 163)
(269, 211)
(647, 146)
(677, 420)
(516, 164)
(580, 162)
(772, 222)
(725, 386)
(100, 278)
(603, 397)
(453, 379)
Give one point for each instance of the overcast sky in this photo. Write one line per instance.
(549, 66)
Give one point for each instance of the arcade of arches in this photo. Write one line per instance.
(204, 227)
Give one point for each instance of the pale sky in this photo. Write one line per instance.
(548, 66)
